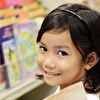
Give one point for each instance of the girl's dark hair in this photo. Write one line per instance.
(84, 26)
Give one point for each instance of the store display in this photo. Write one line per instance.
(9, 55)
(19, 24)
(25, 12)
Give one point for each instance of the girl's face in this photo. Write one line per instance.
(59, 60)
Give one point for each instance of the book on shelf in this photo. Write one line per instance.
(25, 35)
(9, 56)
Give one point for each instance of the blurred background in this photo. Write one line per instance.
(20, 21)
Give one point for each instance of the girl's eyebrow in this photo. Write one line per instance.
(61, 46)
(56, 46)
(42, 43)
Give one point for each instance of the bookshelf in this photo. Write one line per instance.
(21, 89)
(30, 15)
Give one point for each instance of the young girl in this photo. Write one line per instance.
(69, 47)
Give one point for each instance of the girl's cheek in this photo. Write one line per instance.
(40, 60)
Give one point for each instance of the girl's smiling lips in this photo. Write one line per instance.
(51, 74)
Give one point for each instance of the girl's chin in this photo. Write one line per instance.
(51, 83)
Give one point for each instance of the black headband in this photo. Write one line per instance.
(79, 17)
(76, 15)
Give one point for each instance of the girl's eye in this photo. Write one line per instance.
(62, 53)
(42, 48)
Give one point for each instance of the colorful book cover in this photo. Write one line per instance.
(25, 34)
(9, 55)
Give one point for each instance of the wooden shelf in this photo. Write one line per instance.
(18, 91)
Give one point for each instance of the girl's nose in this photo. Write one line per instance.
(49, 63)
(50, 67)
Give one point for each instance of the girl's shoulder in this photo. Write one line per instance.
(93, 96)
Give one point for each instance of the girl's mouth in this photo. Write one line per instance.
(51, 74)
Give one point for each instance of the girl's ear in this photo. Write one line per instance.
(91, 60)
